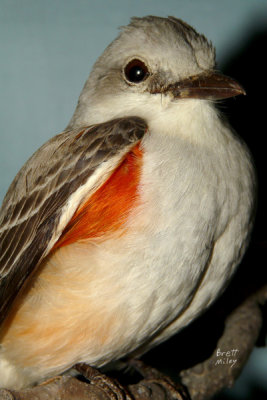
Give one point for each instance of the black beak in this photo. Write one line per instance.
(208, 86)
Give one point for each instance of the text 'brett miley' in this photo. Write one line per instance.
(226, 357)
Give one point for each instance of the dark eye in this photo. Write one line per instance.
(136, 71)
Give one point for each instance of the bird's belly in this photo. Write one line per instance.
(97, 302)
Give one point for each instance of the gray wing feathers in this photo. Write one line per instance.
(33, 205)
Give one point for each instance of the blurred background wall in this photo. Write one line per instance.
(47, 49)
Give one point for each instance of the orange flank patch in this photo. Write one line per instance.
(107, 209)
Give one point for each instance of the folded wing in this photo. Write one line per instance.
(48, 191)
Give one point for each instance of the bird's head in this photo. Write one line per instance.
(154, 66)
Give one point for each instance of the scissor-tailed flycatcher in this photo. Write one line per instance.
(125, 227)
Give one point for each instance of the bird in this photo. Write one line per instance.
(125, 227)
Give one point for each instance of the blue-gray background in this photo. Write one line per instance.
(47, 50)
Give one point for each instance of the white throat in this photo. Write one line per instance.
(191, 119)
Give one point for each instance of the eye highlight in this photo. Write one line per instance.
(136, 71)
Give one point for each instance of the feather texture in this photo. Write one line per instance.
(44, 196)
(107, 209)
